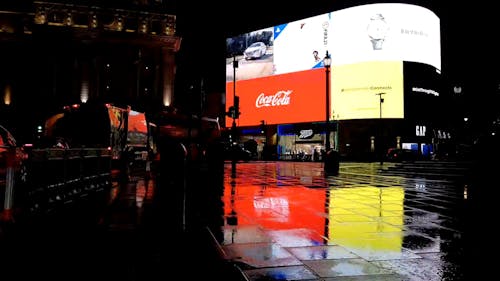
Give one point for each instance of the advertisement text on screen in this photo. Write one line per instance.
(278, 99)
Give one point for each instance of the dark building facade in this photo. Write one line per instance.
(68, 52)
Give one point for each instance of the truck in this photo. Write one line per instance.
(76, 156)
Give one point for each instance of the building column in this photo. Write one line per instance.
(167, 76)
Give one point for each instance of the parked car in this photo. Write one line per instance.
(401, 154)
(237, 151)
(255, 51)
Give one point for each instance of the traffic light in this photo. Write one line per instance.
(234, 110)
(236, 107)
(231, 112)
(262, 126)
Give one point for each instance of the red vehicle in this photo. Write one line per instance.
(400, 154)
(8, 144)
(11, 157)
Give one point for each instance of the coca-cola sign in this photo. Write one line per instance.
(278, 99)
(295, 97)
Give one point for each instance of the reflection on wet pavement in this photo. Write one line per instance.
(286, 221)
(129, 232)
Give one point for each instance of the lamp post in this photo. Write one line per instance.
(381, 100)
(327, 62)
(233, 126)
(331, 158)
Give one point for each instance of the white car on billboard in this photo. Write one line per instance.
(255, 51)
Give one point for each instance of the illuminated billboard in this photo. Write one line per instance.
(368, 44)
(286, 98)
(385, 32)
(301, 45)
(355, 89)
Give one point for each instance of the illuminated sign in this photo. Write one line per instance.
(425, 91)
(368, 45)
(306, 134)
(385, 32)
(420, 131)
(355, 88)
(294, 47)
(287, 98)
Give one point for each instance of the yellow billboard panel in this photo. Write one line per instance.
(356, 88)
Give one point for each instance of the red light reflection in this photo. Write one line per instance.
(276, 206)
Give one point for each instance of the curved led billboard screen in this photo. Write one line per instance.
(368, 45)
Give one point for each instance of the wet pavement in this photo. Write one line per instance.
(286, 221)
(273, 221)
(136, 231)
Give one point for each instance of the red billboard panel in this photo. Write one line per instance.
(279, 99)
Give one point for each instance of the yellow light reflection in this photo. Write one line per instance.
(167, 94)
(374, 219)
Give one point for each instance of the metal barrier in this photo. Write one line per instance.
(55, 177)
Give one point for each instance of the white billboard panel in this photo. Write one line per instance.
(385, 32)
(301, 45)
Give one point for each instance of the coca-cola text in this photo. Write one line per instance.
(280, 98)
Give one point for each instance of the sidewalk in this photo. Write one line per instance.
(286, 221)
(274, 221)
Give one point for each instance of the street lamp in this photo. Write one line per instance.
(235, 115)
(381, 100)
(331, 158)
(327, 62)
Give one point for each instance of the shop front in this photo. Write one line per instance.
(304, 141)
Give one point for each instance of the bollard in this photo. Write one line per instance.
(172, 181)
(332, 163)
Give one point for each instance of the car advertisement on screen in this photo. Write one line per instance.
(292, 97)
(356, 88)
(253, 52)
